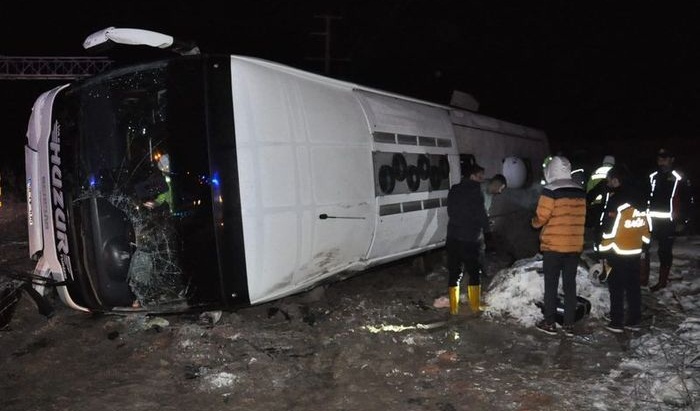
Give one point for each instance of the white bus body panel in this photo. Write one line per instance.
(303, 150)
(491, 141)
(402, 234)
(38, 180)
(43, 183)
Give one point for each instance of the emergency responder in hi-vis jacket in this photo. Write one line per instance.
(596, 189)
(664, 207)
(600, 174)
(625, 229)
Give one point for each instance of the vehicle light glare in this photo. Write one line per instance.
(215, 180)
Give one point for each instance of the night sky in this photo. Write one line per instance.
(619, 79)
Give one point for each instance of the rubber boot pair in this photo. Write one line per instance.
(474, 295)
(664, 272)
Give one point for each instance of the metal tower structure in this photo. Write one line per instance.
(51, 68)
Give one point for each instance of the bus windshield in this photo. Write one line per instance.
(136, 171)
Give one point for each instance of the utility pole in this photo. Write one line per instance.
(327, 58)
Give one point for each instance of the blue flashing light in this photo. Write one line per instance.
(215, 180)
(92, 181)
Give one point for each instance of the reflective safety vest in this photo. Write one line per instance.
(663, 207)
(600, 174)
(628, 233)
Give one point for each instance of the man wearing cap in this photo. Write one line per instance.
(663, 208)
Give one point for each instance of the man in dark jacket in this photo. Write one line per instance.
(467, 220)
(665, 206)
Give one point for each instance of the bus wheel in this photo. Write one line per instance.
(423, 167)
(413, 178)
(386, 179)
(398, 164)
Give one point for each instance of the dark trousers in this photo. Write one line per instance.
(555, 264)
(623, 284)
(463, 255)
(663, 232)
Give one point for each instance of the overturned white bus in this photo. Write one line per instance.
(224, 181)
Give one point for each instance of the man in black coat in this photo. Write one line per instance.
(467, 220)
(667, 204)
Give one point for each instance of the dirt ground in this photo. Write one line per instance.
(370, 342)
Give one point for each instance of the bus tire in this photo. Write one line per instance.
(387, 182)
(399, 166)
(413, 178)
(423, 167)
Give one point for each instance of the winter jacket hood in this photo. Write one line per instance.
(557, 174)
(561, 210)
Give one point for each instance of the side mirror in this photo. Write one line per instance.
(138, 37)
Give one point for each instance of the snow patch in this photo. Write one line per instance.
(515, 291)
(221, 380)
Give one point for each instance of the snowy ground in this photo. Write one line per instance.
(371, 342)
(662, 368)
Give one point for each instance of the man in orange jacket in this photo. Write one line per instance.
(561, 214)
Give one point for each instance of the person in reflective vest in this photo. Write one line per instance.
(664, 209)
(625, 230)
(596, 188)
(600, 175)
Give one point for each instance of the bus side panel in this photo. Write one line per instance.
(491, 141)
(414, 219)
(43, 168)
(38, 169)
(305, 177)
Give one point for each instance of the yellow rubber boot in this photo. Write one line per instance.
(474, 293)
(454, 300)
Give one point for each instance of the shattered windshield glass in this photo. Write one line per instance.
(141, 157)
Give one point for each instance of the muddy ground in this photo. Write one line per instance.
(371, 342)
